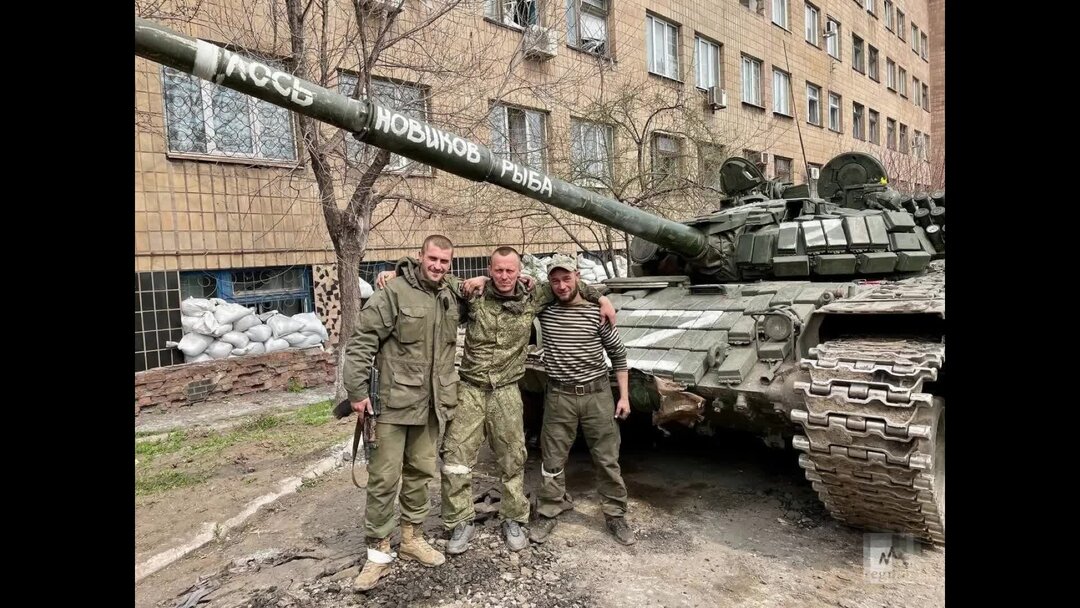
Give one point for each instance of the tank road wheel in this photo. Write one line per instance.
(874, 439)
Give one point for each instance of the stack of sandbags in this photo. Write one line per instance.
(216, 329)
(591, 271)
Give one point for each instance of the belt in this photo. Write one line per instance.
(592, 386)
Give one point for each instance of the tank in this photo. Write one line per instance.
(816, 320)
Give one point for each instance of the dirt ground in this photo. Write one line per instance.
(721, 521)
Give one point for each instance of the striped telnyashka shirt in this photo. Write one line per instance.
(575, 341)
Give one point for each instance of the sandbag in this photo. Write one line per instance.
(246, 322)
(194, 344)
(219, 349)
(230, 313)
(312, 324)
(196, 306)
(283, 325)
(276, 344)
(259, 333)
(237, 338)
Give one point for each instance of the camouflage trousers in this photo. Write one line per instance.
(596, 413)
(496, 414)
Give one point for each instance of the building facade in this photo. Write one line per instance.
(641, 100)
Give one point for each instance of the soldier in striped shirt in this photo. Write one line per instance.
(579, 390)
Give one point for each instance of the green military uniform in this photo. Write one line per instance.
(411, 329)
(496, 340)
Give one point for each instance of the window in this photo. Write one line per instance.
(782, 169)
(916, 91)
(832, 40)
(586, 25)
(408, 99)
(204, 118)
(751, 80)
(590, 153)
(890, 74)
(903, 139)
(286, 289)
(813, 104)
(915, 38)
(710, 158)
(926, 145)
(662, 47)
(666, 158)
(857, 57)
(872, 64)
(707, 60)
(873, 120)
(518, 135)
(835, 123)
(901, 79)
(917, 146)
(858, 130)
(900, 23)
(890, 133)
(781, 96)
(870, 7)
(925, 97)
(813, 24)
(888, 15)
(780, 13)
(924, 44)
(515, 13)
(757, 6)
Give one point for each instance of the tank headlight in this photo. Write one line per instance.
(778, 327)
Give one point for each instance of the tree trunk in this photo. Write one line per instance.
(348, 268)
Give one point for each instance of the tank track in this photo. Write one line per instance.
(874, 442)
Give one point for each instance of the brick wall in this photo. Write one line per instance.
(180, 385)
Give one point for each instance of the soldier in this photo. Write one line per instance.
(411, 329)
(579, 390)
(496, 338)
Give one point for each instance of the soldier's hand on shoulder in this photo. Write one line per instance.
(384, 276)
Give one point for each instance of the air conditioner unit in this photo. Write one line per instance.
(541, 43)
(763, 158)
(717, 98)
(815, 172)
(830, 28)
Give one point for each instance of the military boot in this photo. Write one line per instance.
(413, 546)
(378, 563)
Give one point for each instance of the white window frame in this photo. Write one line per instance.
(777, 161)
(813, 104)
(587, 26)
(780, 13)
(888, 15)
(832, 43)
(838, 124)
(781, 92)
(751, 80)
(924, 46)
(926, 97)
(890, 133)
(873, 68)
(706, 63)
(901, 81)
(507, 12)
(890, 74)
(257, 110)
(812, 25)
(870, 8)
(662, 61)
(358, 152)
(591, 153)
(901, 23)
(915, 38)
(673, 155)
(533, 129)
(873, 126)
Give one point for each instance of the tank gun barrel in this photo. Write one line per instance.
(414, 139)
